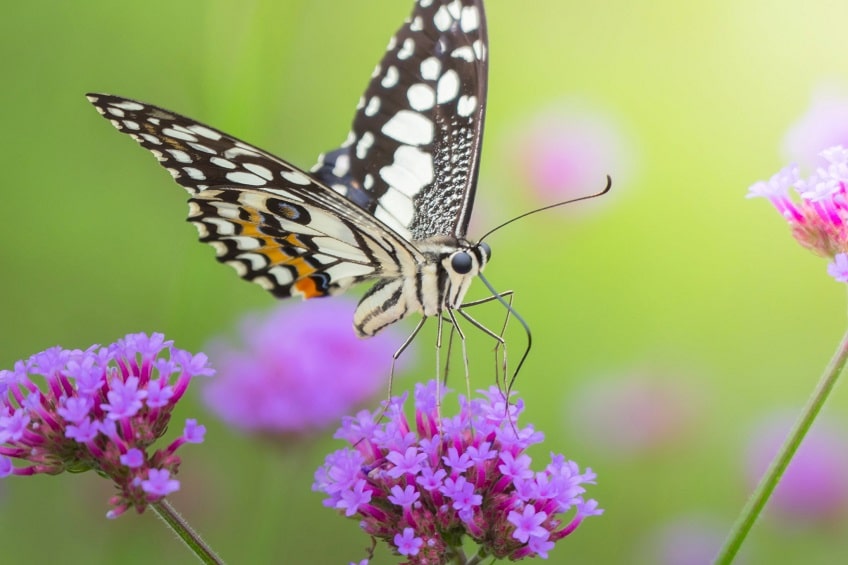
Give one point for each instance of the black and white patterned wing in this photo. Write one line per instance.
(275, 224)
(412, 156)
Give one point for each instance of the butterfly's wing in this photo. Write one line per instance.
(413, 153)
(275, 224)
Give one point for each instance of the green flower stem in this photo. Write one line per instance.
(778, 465)
(186, 533)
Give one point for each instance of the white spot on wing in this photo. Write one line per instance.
(410, 171)
(282, 275)
(398, 206)
(409, 127)
(470, 19)
(391, 77)
(421, 97)
(201, 147)
(345, 270)
(259, 170)
(342, 166)
(240, 177)
(430, 68)
(152, 139)
(128, 105)
(196, 174)
(466, 105)
(223, 163)
(264, 282)
(373, 106)
(117, 112)
(442, 19)
(131, 125)
(176, 134)
(479, 49)
(364, 144)
(417, 24)
(296, 177)
(239, 151)
(222, 227)
(465, 53)
(448, 87)
(180, 156)
(407, 49)
(205, 132)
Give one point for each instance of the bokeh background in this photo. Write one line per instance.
(676, 325)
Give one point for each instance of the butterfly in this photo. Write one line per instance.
(391, 205)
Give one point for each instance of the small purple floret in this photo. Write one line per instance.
(133, 458)
(159, 483)
(407, 543)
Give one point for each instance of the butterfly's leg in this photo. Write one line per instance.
(395, 357)
(455, 325)
(444, 378)
(438, 379)
(499, 337)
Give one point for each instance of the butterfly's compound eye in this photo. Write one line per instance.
(461, 262)
(485, 250)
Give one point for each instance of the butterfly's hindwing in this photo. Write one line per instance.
(413, 153)
(274, 224)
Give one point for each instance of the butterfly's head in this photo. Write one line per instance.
(461, 266)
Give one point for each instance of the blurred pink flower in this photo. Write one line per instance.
(639, 411)
(815, 486)
(300, 368)
(566, 151)
(823, 125)
(688, 540)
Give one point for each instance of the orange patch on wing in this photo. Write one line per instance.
(303, 268)
(306, 288)
(270, 247)
(275, 255)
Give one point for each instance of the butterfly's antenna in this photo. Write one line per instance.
(548, 207)
(500, 299)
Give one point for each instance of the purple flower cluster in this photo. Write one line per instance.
(300, 369)
(423, 489)
(819, 220)
(100, 409)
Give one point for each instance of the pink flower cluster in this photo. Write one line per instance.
(423, 488)
(299, 368)
(100, 409)
(819, 218)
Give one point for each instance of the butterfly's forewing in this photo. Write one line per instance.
(274, 224)
(413, 153)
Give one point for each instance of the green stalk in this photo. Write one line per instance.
(186, 533)
(778, 465)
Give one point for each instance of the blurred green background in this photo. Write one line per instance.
(673, 273)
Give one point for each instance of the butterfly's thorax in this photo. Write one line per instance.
(437, 284)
